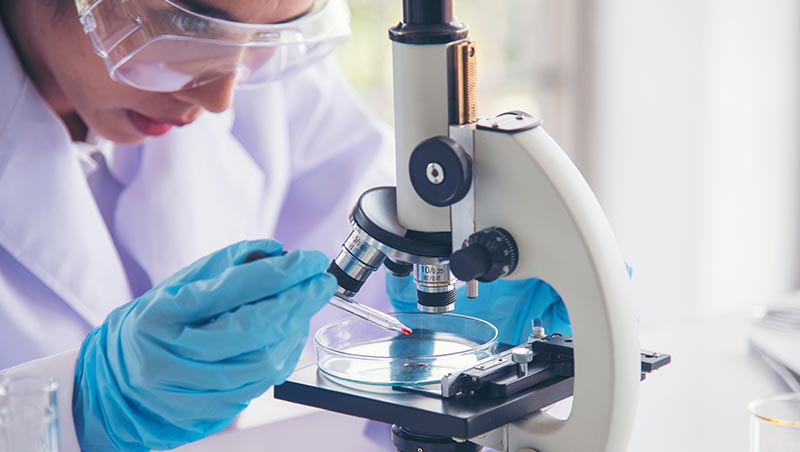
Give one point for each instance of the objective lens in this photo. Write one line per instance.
(436, 288)
(354, 264)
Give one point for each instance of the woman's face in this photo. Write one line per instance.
(76, 77)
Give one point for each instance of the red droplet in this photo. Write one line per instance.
(406, 330)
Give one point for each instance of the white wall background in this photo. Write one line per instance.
(692, 145)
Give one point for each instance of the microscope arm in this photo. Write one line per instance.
(526, 184)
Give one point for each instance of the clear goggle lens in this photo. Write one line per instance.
(156, 45)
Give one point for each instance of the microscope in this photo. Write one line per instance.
(478, 199)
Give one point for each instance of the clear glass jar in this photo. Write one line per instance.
(775, 424)
(28, 414)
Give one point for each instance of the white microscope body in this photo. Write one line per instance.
(525, 183)
(480, 199)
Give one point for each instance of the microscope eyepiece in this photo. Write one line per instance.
(427, 12)
(428, 22)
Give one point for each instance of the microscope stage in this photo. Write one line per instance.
(464, 417)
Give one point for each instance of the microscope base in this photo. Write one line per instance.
(406, 441)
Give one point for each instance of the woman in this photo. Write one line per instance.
(108, 186)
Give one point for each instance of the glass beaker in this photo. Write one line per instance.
(775, 424)
(28, 414)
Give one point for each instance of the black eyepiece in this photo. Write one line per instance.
(427, 12)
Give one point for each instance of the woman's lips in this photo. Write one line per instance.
(147, 125)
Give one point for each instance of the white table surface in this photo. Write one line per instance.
(697, 403)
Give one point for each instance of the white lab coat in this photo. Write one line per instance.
(287, 161)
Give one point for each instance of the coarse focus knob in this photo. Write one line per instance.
(486, 255)
(440, 171)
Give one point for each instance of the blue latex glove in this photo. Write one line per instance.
(508, 305)
(182, 360)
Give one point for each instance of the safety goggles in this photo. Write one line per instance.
(159, 45)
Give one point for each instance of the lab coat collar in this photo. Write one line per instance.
(49, 221)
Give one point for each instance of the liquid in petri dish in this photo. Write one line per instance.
(423, 357)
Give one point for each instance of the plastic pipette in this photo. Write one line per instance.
(371, 315)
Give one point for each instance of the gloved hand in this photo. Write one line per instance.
(510, 305)
(182, 360)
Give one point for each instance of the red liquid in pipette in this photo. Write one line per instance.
(407, 331)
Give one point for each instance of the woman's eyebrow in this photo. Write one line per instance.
(298, 15)
(196, 6)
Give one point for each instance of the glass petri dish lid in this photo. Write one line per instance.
(356, 351)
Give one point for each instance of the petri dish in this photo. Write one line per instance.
(357, 351)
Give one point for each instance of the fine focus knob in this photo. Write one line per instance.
(487, 255)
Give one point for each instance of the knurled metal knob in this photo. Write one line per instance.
(522, 356)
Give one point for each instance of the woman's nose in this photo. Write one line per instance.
(215, 96)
